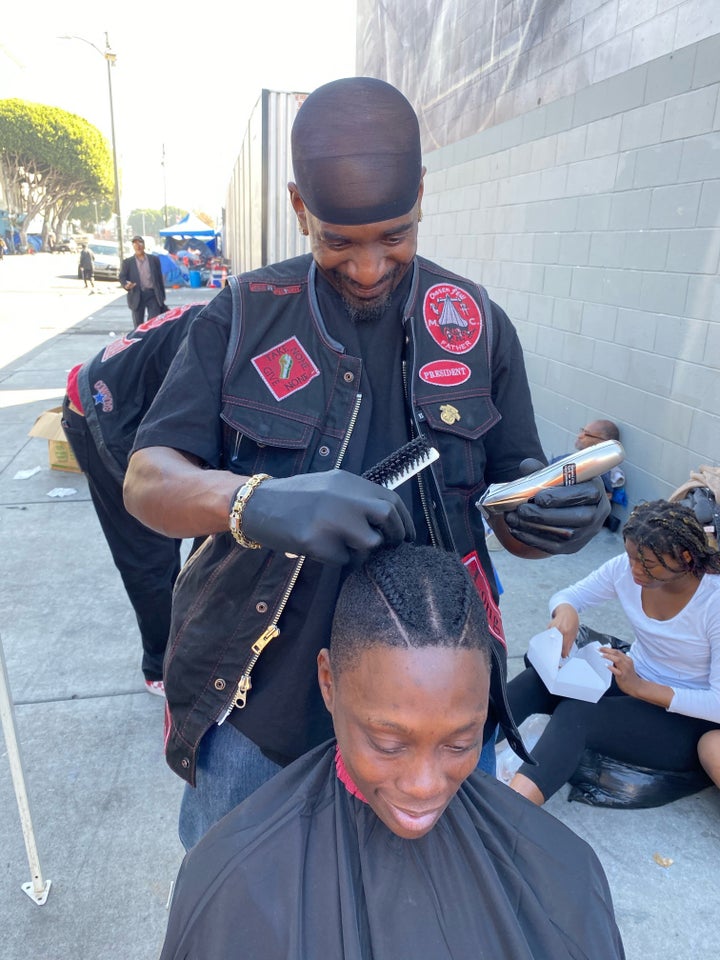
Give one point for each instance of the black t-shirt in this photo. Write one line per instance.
(284, 714)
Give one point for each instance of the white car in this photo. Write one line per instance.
(107, 262)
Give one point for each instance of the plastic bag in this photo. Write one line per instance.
(507, 762)
(603, 782)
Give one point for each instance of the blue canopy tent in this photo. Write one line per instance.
(192, 227)
(176, 237)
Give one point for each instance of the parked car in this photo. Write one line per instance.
(66, 245)
(107, 262)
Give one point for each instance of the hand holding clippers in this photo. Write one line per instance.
(557, 508)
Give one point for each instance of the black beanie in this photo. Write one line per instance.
(356, 152)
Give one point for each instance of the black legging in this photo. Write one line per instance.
(617, 726)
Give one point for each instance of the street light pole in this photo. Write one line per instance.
(110, 59)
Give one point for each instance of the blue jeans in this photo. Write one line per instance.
(487, 756)
(229, 768)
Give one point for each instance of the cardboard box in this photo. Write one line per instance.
(48, 426)
(584, 675)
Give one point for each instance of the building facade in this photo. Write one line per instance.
(573, 155)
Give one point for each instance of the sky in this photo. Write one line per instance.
(187, 77)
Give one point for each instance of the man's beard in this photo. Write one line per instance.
(367, 312)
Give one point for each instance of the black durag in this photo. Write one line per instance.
(356, 152)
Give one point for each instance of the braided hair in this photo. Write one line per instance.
(670, 529)
(408, 597)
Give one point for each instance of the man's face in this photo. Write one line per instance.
(139, 247)
(409, 724)
(589, 435)
(363, 263)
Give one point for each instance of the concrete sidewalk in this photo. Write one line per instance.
(105, 805)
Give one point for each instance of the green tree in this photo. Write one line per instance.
(149, 222)
(50, 161)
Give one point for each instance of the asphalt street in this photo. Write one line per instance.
(103, 803)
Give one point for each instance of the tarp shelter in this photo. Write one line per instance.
(191, 226)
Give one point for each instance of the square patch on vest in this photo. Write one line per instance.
(286, 368)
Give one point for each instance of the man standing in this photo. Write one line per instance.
(297, 378)
(141, 275)
(87, 260)
(105, 401)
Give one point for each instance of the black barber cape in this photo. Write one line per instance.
(304, 870)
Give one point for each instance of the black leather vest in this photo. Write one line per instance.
(288, 400)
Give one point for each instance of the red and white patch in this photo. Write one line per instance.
(445, 373)
(475, 569)
(278, 291)
(452, 318)
(286, 368)
(125, 342)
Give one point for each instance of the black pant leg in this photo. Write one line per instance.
(147, 561)
(138, 314)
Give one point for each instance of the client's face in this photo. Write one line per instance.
(409, 724)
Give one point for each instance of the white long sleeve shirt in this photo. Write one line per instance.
(682, 653)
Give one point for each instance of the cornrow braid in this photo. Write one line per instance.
(408, 596)
(670, 529)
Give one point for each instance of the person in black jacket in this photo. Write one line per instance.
(141, 275)
(299, 377)
(106, 399)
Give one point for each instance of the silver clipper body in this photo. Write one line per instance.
(575, 468)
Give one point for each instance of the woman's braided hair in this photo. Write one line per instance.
(670, 529)
(408, 596)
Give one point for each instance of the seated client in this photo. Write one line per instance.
(386, 843)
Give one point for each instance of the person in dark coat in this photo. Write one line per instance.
(106, 399)
(141, 275)
(386, 842)
(87, 265)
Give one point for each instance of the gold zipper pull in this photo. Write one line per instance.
(264, 639)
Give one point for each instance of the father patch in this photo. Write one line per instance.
(452, 318)
(285, 368)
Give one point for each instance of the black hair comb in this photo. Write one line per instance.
(403, 464)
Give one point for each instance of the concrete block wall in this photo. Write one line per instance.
(594, 220)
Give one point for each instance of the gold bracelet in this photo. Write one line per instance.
(242, 495)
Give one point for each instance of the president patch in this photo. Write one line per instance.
(445, 373)
(286, 368)
(452, 318)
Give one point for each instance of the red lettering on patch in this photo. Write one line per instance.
(444, 373)
(124, 343)
(452, 318)
(285, 368)
(475, 569)
(279, 291)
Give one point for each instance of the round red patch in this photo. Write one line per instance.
(452, 318)
(444, 373)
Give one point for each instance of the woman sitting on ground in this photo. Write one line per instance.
(386, 843)
(665, 694)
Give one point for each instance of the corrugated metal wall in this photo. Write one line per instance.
(259, 224)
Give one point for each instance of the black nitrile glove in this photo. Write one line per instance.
(334, 517)
(559, 519)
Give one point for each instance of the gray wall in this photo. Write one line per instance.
(587, 200)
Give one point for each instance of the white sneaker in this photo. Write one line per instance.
(155, 687)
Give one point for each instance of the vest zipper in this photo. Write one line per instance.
(419, 477)
(272, 630)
